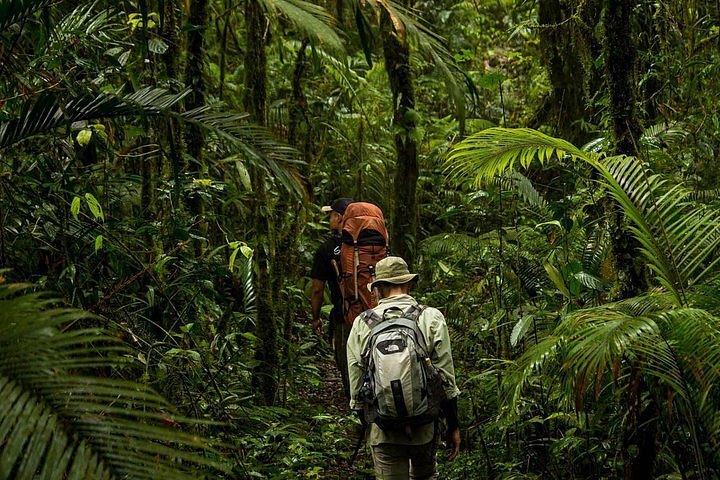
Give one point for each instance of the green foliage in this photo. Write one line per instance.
(61, 420)
(520, 238)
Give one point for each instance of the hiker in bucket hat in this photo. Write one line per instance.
(392, 270)
(410, 452)
(326, 271)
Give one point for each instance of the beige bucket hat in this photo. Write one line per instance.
(392, 270)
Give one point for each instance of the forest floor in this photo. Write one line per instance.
(329, 399)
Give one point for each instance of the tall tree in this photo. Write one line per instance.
(170, 32)
(568, 49)
(194, 138)
(620, 64)
(264, 376)
(396, 51)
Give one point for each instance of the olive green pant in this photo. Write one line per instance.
(403, 462)
(340, 336)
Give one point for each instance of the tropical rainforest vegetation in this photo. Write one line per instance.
(549, 167)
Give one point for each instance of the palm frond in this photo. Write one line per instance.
(313, 20)
(256, 144)
(705, 196)
(680, 239)
(694, 335)
(408, 24)
(541, 357)
(50, 111)
(101, 26)
(520, 184)
(61, 422)
(490, 152)
(601, 338)
(13, 11)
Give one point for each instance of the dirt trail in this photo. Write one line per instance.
(331, 400)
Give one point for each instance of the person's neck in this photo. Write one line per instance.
(396, 292)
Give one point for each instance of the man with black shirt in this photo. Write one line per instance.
(326, 269)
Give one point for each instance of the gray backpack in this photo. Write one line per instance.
(401, 386)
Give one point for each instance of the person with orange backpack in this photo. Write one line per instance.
(346, 262)
(327, 269)
(365, 242)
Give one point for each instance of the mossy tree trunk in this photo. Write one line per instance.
(194, 139)
(620, 65)
(620, 51)
(396, 51)
(170, 33)
(569, 49)
(265, 374)
(621, 56)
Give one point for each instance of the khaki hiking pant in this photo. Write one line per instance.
(403, 462)
(340, 337)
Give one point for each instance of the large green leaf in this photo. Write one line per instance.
(61, 421)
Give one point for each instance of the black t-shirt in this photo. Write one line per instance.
(323, 269)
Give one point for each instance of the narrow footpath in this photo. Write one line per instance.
(328, 398)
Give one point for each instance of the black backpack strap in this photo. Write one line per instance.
(371, 318)
(413, 313)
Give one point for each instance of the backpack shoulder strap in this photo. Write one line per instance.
(371, 318)
(413, 314)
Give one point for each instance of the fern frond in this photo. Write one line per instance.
(661, 134)
(455, 244)
(596, 248)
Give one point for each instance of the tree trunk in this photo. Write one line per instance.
(639, 442)
(194, 139)
(396, 51)
(264, 375)
(620, 59)
(170, 32)
(194, 77)
(568, 52)
(620, 63)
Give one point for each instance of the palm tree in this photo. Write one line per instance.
(659, 349)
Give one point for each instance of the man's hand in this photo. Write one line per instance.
(317, 327)
(453, 443)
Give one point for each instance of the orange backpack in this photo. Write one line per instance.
(364, 243)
